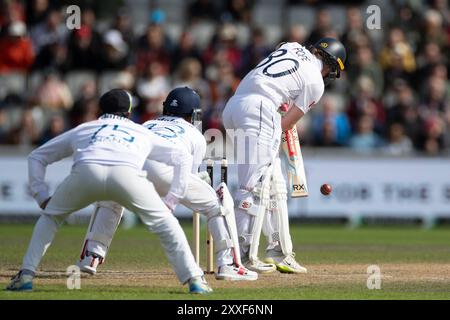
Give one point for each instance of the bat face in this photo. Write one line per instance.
(298, 187)
(295, 168)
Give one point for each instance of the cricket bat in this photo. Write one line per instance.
(295, 168)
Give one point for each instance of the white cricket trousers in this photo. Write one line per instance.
(259, 118)
(200, 197)
(88, 183)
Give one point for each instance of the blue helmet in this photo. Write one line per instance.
(181, 102)
(333, 54)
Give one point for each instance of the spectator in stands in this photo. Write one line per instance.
(397, 57)
(426, 61)
(124, 80)
(223, 82)
(116, 54)
(16, 49)
(52, 56)
(432, 142)
(87, 91)
(364, 103)
(88, 18)
(226, 46)
(49, 39)
(185, 48)
(26, 132)
(433, 30)
(435, 101)
(404, 111)
(84, 50)
(440, 71)
(3, 125)
(254, 52)
(56, 127)
(355, 32)
(122, 23)
(85, 109)
(153, 89)
(296, 33)
(366, 66)
(10, 11)
(365, 139)
(53, 93)
(85, 44)
(443, 8)
(330, 126)
(399, 143)
(48, 32)
(36, 11)
(322, 26)
(154, 46)
(407, 18)
(189, 74)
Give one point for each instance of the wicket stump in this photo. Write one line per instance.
(196, 219)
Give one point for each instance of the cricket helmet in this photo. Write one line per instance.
(333, 54)
(181, 102)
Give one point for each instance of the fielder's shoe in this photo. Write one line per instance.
(258, 266)
(233, 272)
(198, 285)
(284, 264)
(21, 282)
(90, 262)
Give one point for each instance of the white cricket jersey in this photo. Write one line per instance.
(290, 74)
(181, 133)
(111, 141)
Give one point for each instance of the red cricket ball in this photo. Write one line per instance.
(325, 189)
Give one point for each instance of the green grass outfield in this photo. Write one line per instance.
(414, 264)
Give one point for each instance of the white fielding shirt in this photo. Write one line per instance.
(291, 74)
(110, 141)
(182, 134)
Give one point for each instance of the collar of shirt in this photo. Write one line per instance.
(114, 116)
(318, 62)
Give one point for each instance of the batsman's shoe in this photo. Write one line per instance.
(233, 272)
(258, 266)
(21, 282)
(198, 285)
(284, 263)
(89, 262)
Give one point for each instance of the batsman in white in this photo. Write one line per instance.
(181, 109)
(296, 75)
(108, 155)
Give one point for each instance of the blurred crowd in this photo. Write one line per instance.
(394, 96)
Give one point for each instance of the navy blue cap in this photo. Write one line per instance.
(116, 101)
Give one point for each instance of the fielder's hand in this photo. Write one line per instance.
(205, 177)
(171, 201)
(43, 205)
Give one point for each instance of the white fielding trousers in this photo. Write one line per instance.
(200, 197)
(88, 183)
